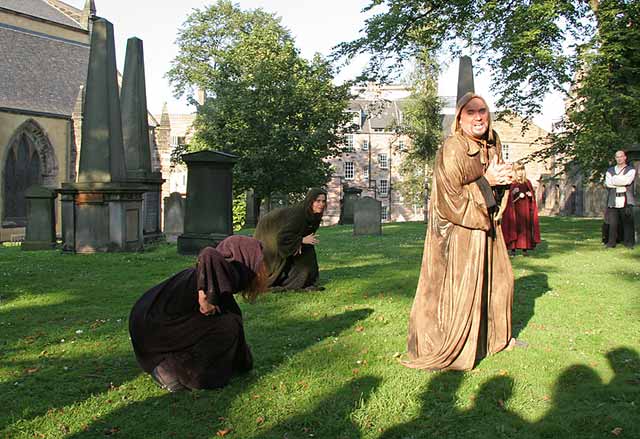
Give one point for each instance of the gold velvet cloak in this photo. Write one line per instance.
(462, 308)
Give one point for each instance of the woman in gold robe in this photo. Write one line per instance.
(462, 308)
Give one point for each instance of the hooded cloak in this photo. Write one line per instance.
(166, 324)
(281, 232)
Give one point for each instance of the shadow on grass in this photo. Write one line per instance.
(527, 290)
(191, 414)
(582, 406)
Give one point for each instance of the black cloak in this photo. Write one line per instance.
(166, 325)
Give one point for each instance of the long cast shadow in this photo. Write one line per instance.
(582, 406)
(527, 290)
(190, 415)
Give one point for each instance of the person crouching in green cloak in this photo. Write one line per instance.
(288, 239)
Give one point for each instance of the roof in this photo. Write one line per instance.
(68, 10)
(40, 9)
(40, 73)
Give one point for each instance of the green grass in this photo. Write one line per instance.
(326, 363)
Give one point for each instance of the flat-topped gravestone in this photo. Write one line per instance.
(367, 217)
(41, 220)
(174, 207)
(208, 215)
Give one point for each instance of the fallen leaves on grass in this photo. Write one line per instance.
(616, 431)
(260, 420)
(359, 328)
(223, 433)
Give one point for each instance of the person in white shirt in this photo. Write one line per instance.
(619, 181)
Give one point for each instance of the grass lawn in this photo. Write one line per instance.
(326, 363)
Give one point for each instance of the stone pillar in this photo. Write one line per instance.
(41, 220)
(209, 206)
(102, 211)
(465, 77)
(135, 136)
(251, 217)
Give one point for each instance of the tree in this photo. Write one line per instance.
(532, 46)
(280, 113)
(422, 123)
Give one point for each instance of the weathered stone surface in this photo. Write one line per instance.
(367, 218)
(465, 77)
(174, 209)
(351, 195)
(41, 224)
(102, 151)
(209, 205)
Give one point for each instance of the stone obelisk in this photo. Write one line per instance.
(465, 77)
(135, 131)
(102, 211)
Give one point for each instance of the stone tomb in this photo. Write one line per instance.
(174, 207)
(208, 215)
(41, 219)
(367, 217)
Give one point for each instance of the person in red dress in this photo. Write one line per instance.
(520, 225)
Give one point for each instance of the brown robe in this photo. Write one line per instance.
(462, 308)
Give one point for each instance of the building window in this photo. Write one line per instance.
(505, 153)
(383, 161)
(401, 145)
(177, 141)
(349, 171)
(378, 130)
(348, 143)
(384, 213)
(365, 172)
(383, 188)
(365, 145)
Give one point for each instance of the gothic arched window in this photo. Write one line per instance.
(22, 169)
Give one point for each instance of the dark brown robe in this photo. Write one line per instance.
(462, 308)
(281, 232)
(166, 325)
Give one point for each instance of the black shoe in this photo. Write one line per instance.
(171, 385)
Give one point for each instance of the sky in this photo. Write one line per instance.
(317, 26)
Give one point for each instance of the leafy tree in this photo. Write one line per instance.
(280, 113)
(422, 123)
(533, 47)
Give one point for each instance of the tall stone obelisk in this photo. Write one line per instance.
(465, 77)
(102, 211)
(135, 130)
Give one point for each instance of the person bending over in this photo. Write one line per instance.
(288, 236)
(187, 331)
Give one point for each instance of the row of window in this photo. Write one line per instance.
(350, 173)
(349, 145)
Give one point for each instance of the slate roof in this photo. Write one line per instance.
(40, 9)
(40, 73)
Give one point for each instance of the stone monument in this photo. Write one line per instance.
(465, 77)
(208, 215)
(367, 216)
(174, 207)
(252, 211)
(102, 211)
(351, 194)
(41, 219)
(135, 135)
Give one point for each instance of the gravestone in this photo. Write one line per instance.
(208, 215)
(351, 194)
(251, 216)
(102, 211)
(367, 217)
(41, 219)
(135, 136)
(174, 207)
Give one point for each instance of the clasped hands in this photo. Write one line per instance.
(205, 307)
(498, 174)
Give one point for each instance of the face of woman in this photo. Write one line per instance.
(474, 118)
(319, 204)
(520, 174)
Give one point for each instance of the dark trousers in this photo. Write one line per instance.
(614, 218)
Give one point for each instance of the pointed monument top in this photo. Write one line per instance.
(465, 77)
(164, 118)
(88, 13)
